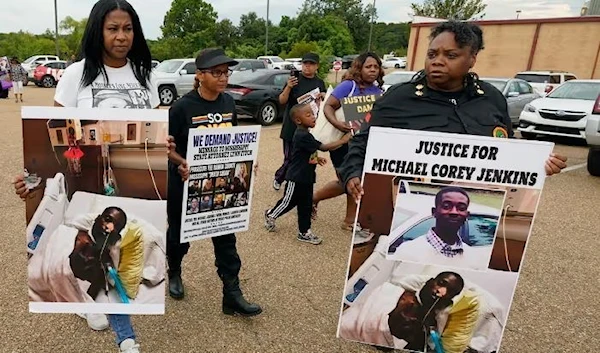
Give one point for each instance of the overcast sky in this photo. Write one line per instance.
(36, 16)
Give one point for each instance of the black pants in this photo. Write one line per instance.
(338, 155)
(287, 153)
(296, 195)
(227, 258)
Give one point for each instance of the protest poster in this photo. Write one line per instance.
(96, 210)
(218, 192)
(439, 239)
(313, 98)
(355, 109)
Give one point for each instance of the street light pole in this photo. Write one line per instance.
(372, 20)
(518, 13)
(267, 35)
(56, 28)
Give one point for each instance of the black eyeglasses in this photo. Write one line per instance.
(219, 73)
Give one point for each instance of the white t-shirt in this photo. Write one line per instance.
(419, 250)
(122, 91)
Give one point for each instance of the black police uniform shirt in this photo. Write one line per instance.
(303, 160)
(304, 86)
(480, 109)
(193, 111)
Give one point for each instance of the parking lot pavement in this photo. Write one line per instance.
(300, 286)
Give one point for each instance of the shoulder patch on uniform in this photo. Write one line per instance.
(500, 132)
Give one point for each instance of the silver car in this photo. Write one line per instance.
(174, 78)
(517, 92)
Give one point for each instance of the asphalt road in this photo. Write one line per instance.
(300, 286)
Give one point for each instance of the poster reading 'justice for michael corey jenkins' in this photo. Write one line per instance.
(218, 192)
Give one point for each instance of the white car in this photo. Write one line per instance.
(394, 63)
(396, 77)
(592, 136)
(563, 112)
(34, 61)
(275, 62)
(297, 62)
(174, 78)
(545, 81)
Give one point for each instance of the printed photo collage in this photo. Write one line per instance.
(222, 192)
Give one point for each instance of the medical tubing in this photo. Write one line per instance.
(118, 285)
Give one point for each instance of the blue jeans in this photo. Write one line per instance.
(121, 325)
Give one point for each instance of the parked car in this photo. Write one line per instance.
(396, 77)
(394, 63)
(174, 78)
(275, 62)
(545, 81)
(592, 136)
(518, 93)
(47, 75)
(256, 93)
(297, 62)
(563, 112)
(347, 61)
(248, 64)
(34, 61)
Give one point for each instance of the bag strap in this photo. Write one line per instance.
(353, 88)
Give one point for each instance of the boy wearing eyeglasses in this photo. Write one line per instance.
(206, 106)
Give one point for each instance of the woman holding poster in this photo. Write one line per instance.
(116, 58)
(206, 106)
(445, 97)
(365, 77)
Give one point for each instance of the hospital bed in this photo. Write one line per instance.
(377, 270)
(56, 211)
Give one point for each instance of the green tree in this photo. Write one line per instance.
(252, 28)
(331, 29)
(23, 45)
(356, 15)
(388, 37)
(461, 10)
(193, 22)
(226, 34)
(283, 37)
(72, 33)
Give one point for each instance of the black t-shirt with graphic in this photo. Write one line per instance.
(304, 86)
(303, 160)
(193, 111)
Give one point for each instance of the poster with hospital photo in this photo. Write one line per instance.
(465, 205)
(96, 210)
(427, 308)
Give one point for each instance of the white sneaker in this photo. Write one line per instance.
(97, 322)
(129, 346)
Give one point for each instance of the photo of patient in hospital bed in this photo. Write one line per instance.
(426, 308)
(96, 226)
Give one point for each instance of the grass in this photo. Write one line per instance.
(483, 198)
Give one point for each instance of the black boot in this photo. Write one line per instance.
(234, 301)
(176, 290)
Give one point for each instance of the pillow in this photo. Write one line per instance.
(131, 263)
